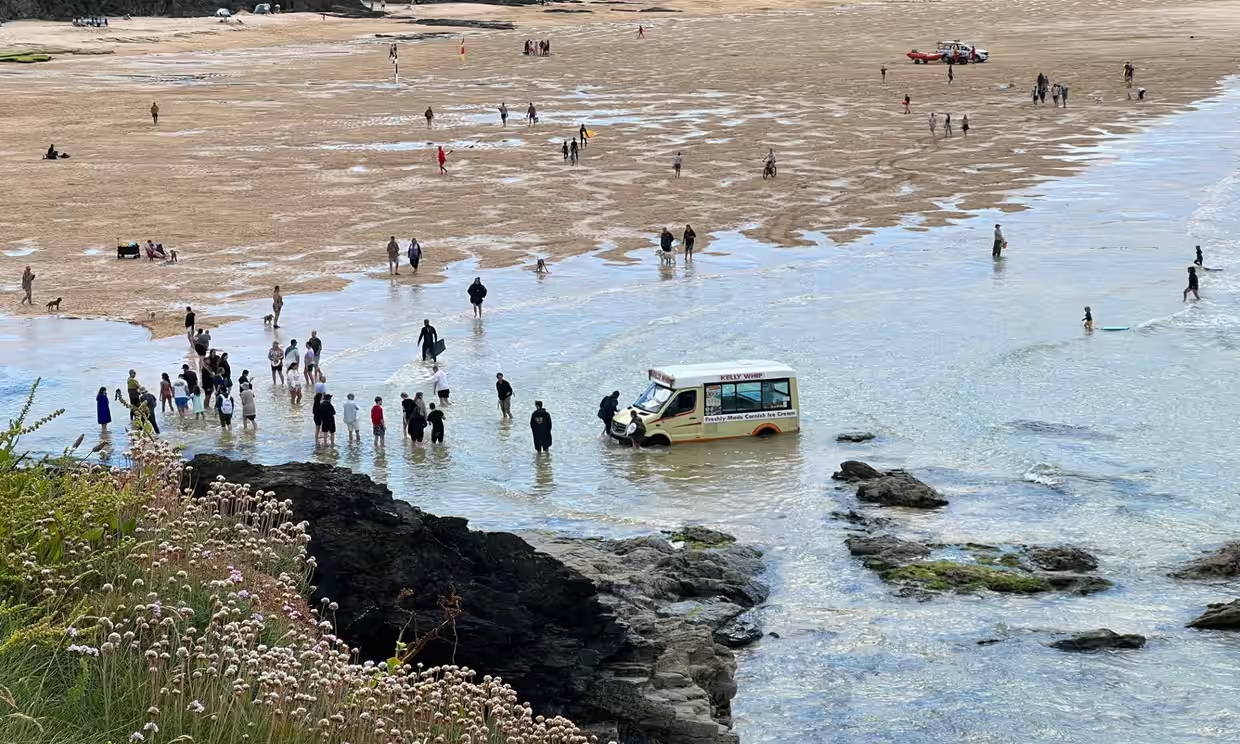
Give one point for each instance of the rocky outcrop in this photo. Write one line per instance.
(1099, 640)
(626, 634)
(1219, 616)
(683, 608)
(1223, 563)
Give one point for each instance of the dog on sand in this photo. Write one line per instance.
(54, 304)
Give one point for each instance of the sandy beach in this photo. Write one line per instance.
(286, 153)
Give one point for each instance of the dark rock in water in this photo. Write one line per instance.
(855, 470)
(854, 436)
(1061, 558)
(657, 9)
(739, 632)
(885, 551)
(545, 620)
(1223, 563)
(989, 641)
(1219, 616)
(1076, 583)
(1097, 640)
(898, 488)
(773, 634)
(465, 23)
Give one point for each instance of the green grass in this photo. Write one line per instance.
(965, 577)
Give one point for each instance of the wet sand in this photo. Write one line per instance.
(291, 156)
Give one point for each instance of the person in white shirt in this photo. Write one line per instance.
(350, 418)
(441, 385)
(180, 395)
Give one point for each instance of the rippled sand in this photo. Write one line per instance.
(293, 163)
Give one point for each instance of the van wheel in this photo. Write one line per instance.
(765, 432)
(657, 441)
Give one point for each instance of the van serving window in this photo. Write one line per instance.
(747, 397)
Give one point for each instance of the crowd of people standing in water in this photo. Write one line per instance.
(204, 390)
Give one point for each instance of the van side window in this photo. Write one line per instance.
(746, 397)
(686, 402)
(776, 395)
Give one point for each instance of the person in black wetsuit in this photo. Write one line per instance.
(1192, 284)
(435, 418)
(1088, 320)
(427, 338)
(540, 427)
(607, 408)
(1200, 260)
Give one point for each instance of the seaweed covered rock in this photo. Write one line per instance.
(1222, 563)
(965, 577)
(1099, 640)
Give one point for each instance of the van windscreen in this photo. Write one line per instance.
(654, 398)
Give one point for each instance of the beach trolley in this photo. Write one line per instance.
(720, 400)
(128, 250)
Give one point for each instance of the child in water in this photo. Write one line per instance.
(199, 409)
(1088, 320)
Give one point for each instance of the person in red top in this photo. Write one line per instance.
(376, 421)
(641, 32)
(443, 158)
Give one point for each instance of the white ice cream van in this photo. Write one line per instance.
(721, 400)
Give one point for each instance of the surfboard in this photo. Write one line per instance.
(437, 348)
(1115, 328)
(590, 133)
(1207, 268)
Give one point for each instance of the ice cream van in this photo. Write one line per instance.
(721, 400)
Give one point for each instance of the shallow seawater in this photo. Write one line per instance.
(974, 373)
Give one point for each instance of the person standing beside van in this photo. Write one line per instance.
(636, 430)
(607, 408)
